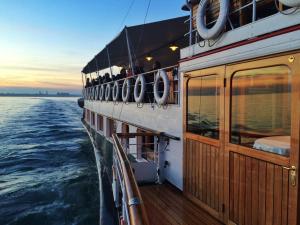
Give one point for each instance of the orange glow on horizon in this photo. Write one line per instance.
(56, 79)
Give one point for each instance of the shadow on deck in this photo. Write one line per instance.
(166, 205)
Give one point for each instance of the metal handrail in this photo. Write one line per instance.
(135, 76)
(173, 95)
(253, 3)
(134, 203)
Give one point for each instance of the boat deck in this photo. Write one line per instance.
(166, 205)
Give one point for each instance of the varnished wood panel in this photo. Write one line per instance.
(258, 192)
(201, 169)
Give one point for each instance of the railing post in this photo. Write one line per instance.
(161, 160)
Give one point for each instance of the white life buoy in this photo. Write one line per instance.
(126, 90)
(211, 33)
(98, 92)
(107, 92)
(90, 93)
(161, 99)
(101, 92)
(115, 91)
(84, 93)
(139, 96)
(291, 3)
(95, 94)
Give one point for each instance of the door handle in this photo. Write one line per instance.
(292, 173)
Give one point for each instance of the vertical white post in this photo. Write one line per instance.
(161, 159)
(97, 72)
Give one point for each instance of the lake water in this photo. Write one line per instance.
(48, 173)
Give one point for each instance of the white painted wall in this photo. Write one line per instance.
(163, 119)
(264, 26)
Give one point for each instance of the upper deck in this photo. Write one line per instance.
(147, 113)
(233, 104)
(272, 33)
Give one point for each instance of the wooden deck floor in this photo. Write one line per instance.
(166, 205)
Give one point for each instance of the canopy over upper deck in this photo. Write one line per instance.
(152, 39)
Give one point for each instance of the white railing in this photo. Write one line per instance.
(93, 93)
(133, 211)
(194, 35)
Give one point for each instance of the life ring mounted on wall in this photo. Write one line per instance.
(107, 92)
(161, 99)
(90, 93)
(115, 91)
(101, 92)
(291, 3)
(126, 90)
(95, 94)
(139, 94)
(213, 32)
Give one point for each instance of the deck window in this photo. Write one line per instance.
(99, 122)
(203, 106)
(261, 109)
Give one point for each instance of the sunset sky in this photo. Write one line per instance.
(44, 44)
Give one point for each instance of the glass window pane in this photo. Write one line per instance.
(261, 109)
(203, 106)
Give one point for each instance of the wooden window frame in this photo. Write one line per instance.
(262, 63)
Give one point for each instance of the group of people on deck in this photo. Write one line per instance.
(122, 75)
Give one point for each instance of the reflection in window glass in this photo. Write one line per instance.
(203, 106)
(261, 109)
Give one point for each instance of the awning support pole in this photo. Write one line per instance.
(129, 52)
(97, 69)
(90, 74)
(109, 61)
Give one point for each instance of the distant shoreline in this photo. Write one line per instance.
(37, 95)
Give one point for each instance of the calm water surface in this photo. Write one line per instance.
(47, 169)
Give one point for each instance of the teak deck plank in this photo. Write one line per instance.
(167, 205)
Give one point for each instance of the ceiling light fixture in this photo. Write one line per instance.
(173, 47)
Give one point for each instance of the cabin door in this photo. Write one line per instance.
(203, 138)
(262, 141)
